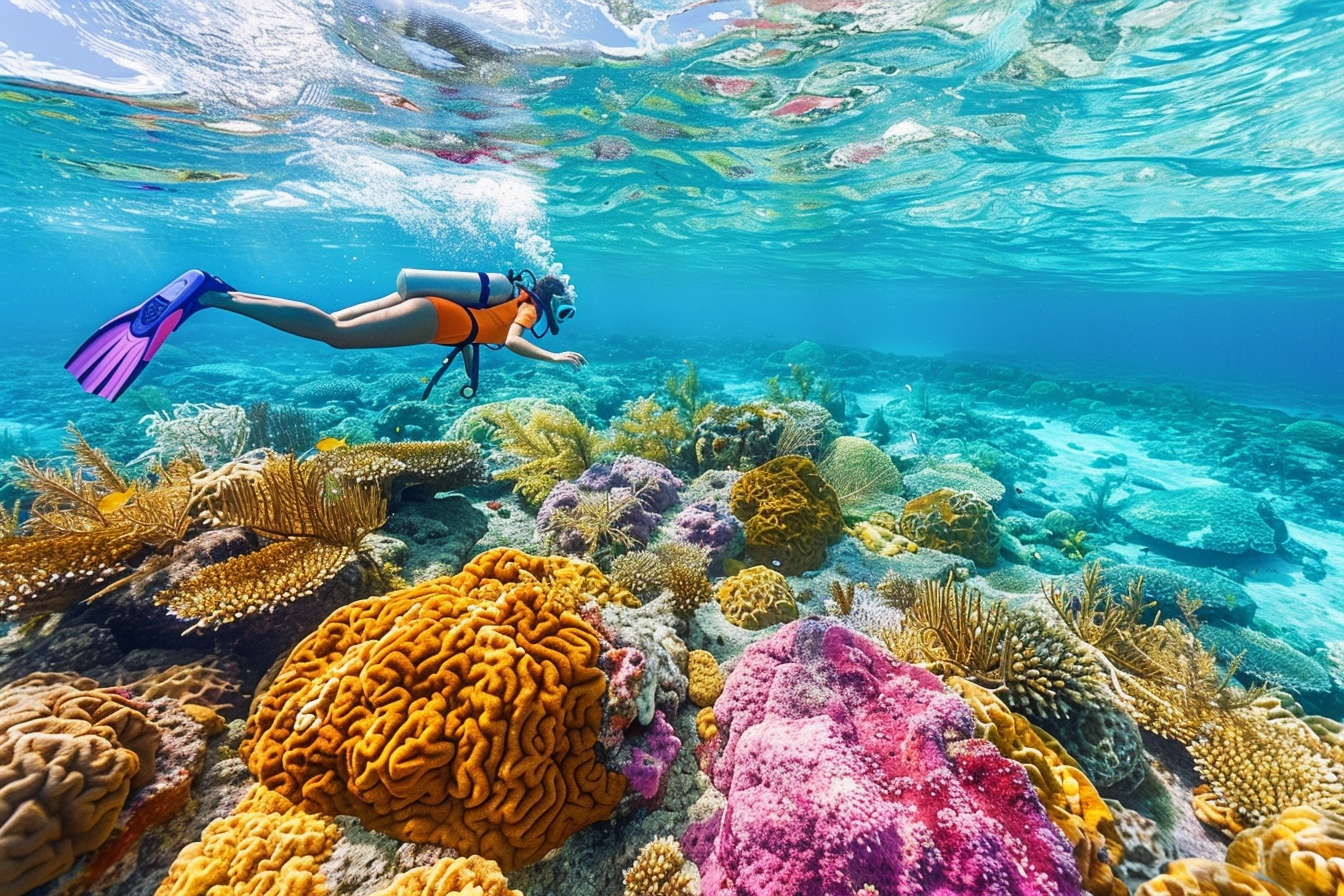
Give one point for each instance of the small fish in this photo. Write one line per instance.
(1018, 489)
(909, 388)
(493, 505)
(915, 439)
(329, 444)
(397, 430)
(115, 501)
(424, 379)
(397, 101)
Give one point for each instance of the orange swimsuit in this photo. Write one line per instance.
(493, 323)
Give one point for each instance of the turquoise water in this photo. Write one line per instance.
(1089, 248)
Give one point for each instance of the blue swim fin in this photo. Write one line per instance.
(110, 360)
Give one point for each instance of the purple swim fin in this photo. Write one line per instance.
(110, 360)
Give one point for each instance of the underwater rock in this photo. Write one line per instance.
(1208, 518)
(834, 757)
(440, 531)
(76, 646)
(660, 683)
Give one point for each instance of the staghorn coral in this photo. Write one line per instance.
(955, 522)
(790, 514)
(885, 785)
(265, 846)
(552, 445)
(1203, 877)
(657, 870)
(208, 434)
(706, 681)
(863, 476)
(757, 598)
(462, 712)
(1302, 850)
(464, 876)
(642, 573)
(69, 757)
(1069, 798)
(647, 429)
(394, 466)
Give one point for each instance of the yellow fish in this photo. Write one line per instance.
(115, 501)
(329, 444)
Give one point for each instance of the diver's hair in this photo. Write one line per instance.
(550, 286)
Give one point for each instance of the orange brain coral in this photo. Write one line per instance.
(461, 712)
(789, 512)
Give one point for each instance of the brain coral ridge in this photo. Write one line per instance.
(847, 771)
(790, 514)
(69, 757)
(462, 712)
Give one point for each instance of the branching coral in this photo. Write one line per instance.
(657, 870)
(757, 598)
(208, 434)
(640, 572)
(649, 430)
(462, 712)
(789, 512)
(553, 445)
(685, 392)
(673, 565)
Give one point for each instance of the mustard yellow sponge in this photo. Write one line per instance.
(266, 846)
(706, 679)
(462, 712)
(757, 598)
(464, 876)
(789, 513)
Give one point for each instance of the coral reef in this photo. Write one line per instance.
(1210, 518)
(208, 434)
(757, 598)
(1319, 434)
(594, 523)
(958, 476)
(955, 522)
(396, 466)
(464, 876)
(552, 444)
(1202, 877)
(657, 871)
(863, 476)
(654, 483)
(647, 429)
(642, 573)
(706, 681)
(740, 437)
(868, 755)
(1302, 850)
(409, 711)
(1265, 659)
(790, 514)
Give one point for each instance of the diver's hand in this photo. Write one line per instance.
(574, 358)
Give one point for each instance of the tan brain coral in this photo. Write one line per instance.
(789, 513)
(1302, 849)
(757, 598)
(69, 757)
(462, 712)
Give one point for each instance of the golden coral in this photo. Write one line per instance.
(464, 876)
(462, 712)
(657, 870)
(757, 598)
(1203, 877)
(706, 726)
(552, 444)
(69, 756)
(1302, 849)
(955, 522)
(789, 513)
(441, 466)
(1069, 798)
(706, 681)
(266, 846)
(641, 572)
(647, 429)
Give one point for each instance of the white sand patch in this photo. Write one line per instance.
(1285, 598)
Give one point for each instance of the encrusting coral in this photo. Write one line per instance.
(463, 876)
(462, 712)
(955, 522)
(1069, 798)
(757, 598)
(657, 870)
(70, 754)
(265, 846)
(790, 514)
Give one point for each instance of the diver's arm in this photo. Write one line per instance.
(520, 346)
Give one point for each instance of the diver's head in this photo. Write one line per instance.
(555, 291)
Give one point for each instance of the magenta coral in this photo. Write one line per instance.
(844, 768)
(647, 769)
(709, 524)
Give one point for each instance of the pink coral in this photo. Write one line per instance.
(845, 768)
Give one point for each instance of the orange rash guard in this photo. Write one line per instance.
(455, 321)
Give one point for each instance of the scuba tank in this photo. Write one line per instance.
(471, 289)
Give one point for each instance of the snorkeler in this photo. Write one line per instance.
(451, 308)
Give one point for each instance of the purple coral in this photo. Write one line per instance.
(655, 484)
(635, 521)
(709, 524)
(845, 768)
(647, 769)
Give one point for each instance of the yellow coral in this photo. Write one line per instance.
(1302, 849)
(789, 513)
(266, 846)
(647, 429)
(657, 870)
(706, 726)
(952, 521)
(1069, 798)
(464, 876)
(757, 598)
(641, 572)
(553, 445)
(881, 540)
(1203, 877)
(706, 679)
(441, 466)
(462, 712)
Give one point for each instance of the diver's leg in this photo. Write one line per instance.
(388, 301)
(412, 322)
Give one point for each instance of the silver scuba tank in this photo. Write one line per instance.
(473, 289)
